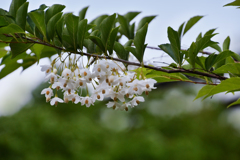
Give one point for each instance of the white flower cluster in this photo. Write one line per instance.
(107, 78)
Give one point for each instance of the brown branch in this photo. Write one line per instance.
(177, 70)
(157, 48)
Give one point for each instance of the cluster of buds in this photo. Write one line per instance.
(106, 78)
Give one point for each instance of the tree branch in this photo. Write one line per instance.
(177, 70)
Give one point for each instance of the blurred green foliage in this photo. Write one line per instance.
(40, 131)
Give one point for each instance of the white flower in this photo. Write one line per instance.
(135, 87)
(55, 100)
(87, 101)
(67, 73)
(86, 74)
(48, 92)
(46, 68)
(116, 95)
(149, 84)
(136, 100)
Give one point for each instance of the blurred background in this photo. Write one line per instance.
(169, 125)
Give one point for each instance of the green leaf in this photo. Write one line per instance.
(97, 21)
(210, 61)
(192, 53)
(130, 16)
(37, 17)
(14, 7)
(191, 22)
(226, 85)
(168, 49)
(42, 7)
(226, 44)
(51, 25)
(124, 25)
(234, 103)
(98, 42)
(106, 28)
(47, 52)
(3, 12)
(53, 10)
(213, 59)
(22, 15)
(120, 51)
(216, 46)
(3, 52)
(18, 48)
(82, 13)
(112, 40)
(204, 91)
(59, 27)
(37, 50)
(12, 64)
(145, 20)
(72, 27)
(180, 30)
(175, 44)
(11, 29)
(131, 31)
(139, 42)
(132, 50)
(82, 29)
(160, 76)
(232, 68)
(234, 3)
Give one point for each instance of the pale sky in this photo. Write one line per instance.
(16, 88)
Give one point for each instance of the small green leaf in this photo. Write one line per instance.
(237, 101)
(98, 42)
(139, 42)
(82, 13)
(18, 48)
(120, 51)
(97, 21)
(234, 3)
(72, 27)
(82, 29)
(191, 22)
(53, 10)
(22, 15)
(204, 91)
(131, 31)
(37, 50)
(232, 68)
(180, 29)
(47, 52)
(132, 50)
(192, 53)
(130, 16)
(112, 40)
(42, 7)
(216, 46)
(145, 20)
(168, 49)
(160, 76)
(51, 25)
(37, 17)
(3, 52)
(59, 27)
(14, 7)
(175, 44)
(11, 29)
(124, 25)
(210, 61)
(226, 85)
(226, 43)
(106, 28)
